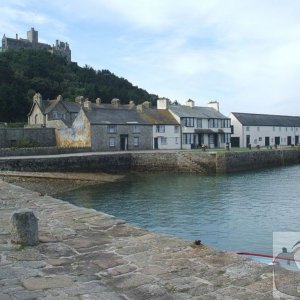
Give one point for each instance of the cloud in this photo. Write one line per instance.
(244, 53)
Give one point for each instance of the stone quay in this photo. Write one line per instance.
(85, 254)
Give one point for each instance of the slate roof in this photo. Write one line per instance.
(247, 119)
(184, 111)
(118, 116)
(71, 107)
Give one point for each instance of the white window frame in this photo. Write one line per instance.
(111, 128)
(112, 142)
(136, 141)
(163, 141)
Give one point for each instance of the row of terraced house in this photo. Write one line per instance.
(115, 126)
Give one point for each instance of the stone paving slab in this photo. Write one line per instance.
(84, 254)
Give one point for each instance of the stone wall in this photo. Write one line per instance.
(228, 162)
(69, 163)
(40, 151)
(43, 137)
(150, 161)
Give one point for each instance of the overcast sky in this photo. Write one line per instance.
(243, 53)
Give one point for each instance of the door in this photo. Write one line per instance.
(289, 140)
(296, 139)
(124, 142)
(235, 141)
(267, 141)
(156, 143)
(247, 140)
(216, 141)
(277, 140)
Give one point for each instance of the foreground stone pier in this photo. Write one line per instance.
(84, 254)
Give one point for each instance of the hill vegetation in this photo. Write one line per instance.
(25, 72)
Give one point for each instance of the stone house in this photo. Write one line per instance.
(264, 130)
(200, 126)
(52, 113)
(116, 127)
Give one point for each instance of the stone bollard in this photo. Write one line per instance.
(24, 228)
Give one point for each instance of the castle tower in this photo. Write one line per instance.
(33, 36)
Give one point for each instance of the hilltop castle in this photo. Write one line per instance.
(32, 42)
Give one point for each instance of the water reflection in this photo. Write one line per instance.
(230, 212)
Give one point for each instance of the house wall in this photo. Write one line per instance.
(40, 120)
(258, 134)
(173, 140)
(101, 138)
(43, 137)
(207, 139)
(79, 135)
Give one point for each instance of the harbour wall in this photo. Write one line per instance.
(151, 161)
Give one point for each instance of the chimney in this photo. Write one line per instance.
(131, 104)
(79, 100)
(37, 98)
(115, 102)
(214, 105)
(59, 98)
(98, 101)
(190, 103)
(87, 104)
(162, 103)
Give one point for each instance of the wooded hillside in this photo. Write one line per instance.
(24, 72)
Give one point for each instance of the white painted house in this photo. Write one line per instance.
(199, 125)
(264, 130)
(166, 137)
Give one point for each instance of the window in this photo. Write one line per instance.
(188, 122)
(112, 142)
(214, 123)
(160, 128)
(227, 138)
(188, 138)
(247, 128)
(176, 129)
(136, 141)
(292, 129)
(232, 129)
(163, 140)
(176, 140)
(136, 129)
(260, 139)
(258, 128)
(111, 128)
(199, 123)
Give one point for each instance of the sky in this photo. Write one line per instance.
(243, 53)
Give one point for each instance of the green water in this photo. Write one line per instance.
(230, 212)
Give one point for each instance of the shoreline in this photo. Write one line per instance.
(53, 183)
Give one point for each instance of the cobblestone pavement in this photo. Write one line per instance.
(84, 254)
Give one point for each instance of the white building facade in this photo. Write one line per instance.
(166, 137)
(264, 130)
(200, 126)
